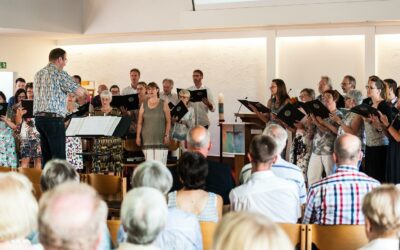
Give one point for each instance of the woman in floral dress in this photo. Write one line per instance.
(8, 154)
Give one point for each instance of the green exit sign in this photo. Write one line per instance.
(3, 65)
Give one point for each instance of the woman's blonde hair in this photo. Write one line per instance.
(381, 207)
(184, 92)
(18, 207)
(243, 230)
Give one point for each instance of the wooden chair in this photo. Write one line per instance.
(207, 232)
(4, 169)
(33, 175)
(113, 227)
(111, 188)
(336, 237)
(296, 234)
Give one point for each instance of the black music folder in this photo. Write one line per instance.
(317, 108)
(196, 95)
(365, 110)
(289, 114)
(28, 106)
(82, 111)
(259, 106)
(130, 102)
(3, 108)
(171, 105)
(179, 111)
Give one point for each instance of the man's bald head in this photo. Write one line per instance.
(198, 140)
(347, 149)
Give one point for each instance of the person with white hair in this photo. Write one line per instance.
(143, 215)
(381, 209)
(182, 230)
(71, 216)
(56, 172)
(243, 230)
(15, 224)
(281, 167)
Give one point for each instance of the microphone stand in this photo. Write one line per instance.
(241, 104)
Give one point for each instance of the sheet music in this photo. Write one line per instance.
(93, 125)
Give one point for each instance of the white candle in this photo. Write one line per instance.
(220, 98)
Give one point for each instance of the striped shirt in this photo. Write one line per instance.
(285, 170)
(337, 199)
(51, 87)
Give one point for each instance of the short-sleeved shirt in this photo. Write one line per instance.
(200, 109)
(51, 87)
(129, 90)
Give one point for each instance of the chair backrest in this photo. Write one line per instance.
(207, 232)
(113, 227)
(296, 234)
(330, 237)
(130, 145)
(5, 169)
(33, 175)
(108, 185)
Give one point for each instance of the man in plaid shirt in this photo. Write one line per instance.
(337, 199)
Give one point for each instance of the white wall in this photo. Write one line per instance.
(61, 16)
(388, 56)
(235, 67)
(25, 55)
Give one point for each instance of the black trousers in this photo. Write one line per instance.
(52, 137)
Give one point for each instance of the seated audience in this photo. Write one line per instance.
(18, 211)
(143, 215)
(56, 172)
(71, 216)
(182, 230)
(238, 231)
(219, 179)
(336, 198)
(381, 209)
(192, 172)
(280, 168)
(265, 193)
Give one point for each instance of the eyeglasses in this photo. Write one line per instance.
(369, 87)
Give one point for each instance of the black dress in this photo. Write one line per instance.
(393, 156)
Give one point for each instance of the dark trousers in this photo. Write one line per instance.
(52, 137)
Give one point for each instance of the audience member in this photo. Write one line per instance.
(167, 95)
(182, 230)
(56, 172)
(219, 179)
(381, 209)
(131, 89)
(19, 84)
(18, 212)
(192, 198)
(265, 193)
(243, 230)
(280, 168)
(336, 198)
(201, 108)
(71, 216)
(143, 215)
